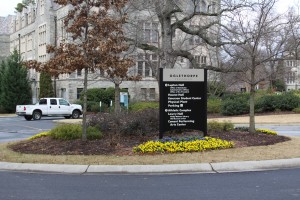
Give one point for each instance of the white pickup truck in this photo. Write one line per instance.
(49, 107)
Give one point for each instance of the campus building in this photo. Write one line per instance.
(42, 23)
(4, 36)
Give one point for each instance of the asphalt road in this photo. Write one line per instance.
(16, 128)
(287, 130)
(275, 185)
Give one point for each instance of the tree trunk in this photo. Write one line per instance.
(117, 98)
(84, 125)
(252, 103)
(167, 60)
(252, 112)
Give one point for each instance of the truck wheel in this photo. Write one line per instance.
(75, 114)
(36, 115)
(28, 117)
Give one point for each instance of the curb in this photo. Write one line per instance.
(224, 167)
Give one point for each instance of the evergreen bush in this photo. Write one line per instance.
(214, 105)
(235, 106)
(74, 131)
(46, 87)
(284, 101)
(219, 126)
(14, 84)
(143, 105)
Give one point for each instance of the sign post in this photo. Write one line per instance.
(183, 100)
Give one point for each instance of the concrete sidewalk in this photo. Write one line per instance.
(154, 169)
(260, 119)
(170, 168)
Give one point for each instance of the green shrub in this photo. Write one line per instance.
(296, 110)
(220, 126)
(73, 131)
(214, 105)
(284, 101)
(266, 103)
(279, 85)
(143, 105)
(95, 107)
(232, 96)
(235, 106)
(288, 101)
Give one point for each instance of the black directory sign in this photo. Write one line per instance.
(183, 100)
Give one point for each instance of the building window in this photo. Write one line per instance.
(79, 73)
(291, 76)
(140, 68)
(63, 93)
(143, 94)
(147, 70)
(42, 7)
(42, 43)
(290, 63)
(147, 65)
(150, 30)
(152, 94)
(79, 90)
(201, 59)
(194, 39)
(29, 42)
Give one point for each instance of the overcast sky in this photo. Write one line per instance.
(8, 6)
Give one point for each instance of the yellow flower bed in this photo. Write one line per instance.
(42, 134)
(208, 143)
(266, 131)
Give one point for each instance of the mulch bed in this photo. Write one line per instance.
(117, 145)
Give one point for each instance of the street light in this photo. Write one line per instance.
(295, 70)
(34, 95)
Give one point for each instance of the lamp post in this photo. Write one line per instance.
(295, 70)
(19, 36)
(34, 95)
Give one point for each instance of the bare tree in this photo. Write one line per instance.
(179, 22)
(265, 33)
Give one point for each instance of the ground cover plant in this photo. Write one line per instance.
(122, 134)
(177, 145)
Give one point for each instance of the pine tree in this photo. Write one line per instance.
(15, 86)
(46, 87)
